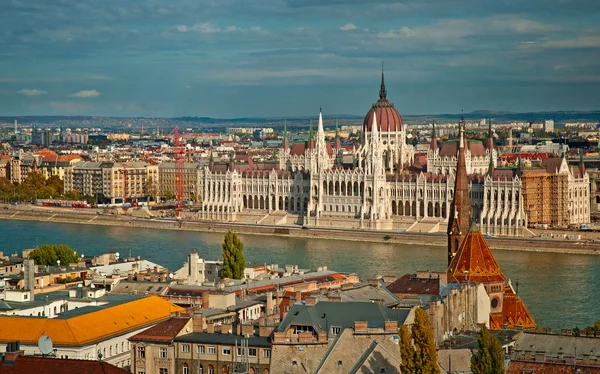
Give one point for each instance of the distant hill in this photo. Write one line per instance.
(166, 124)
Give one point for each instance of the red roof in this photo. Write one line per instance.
(13, 363)
(514, 312)
(520, 367)
(388, 118)
(475, 256)
(163, 331)
(451, 149)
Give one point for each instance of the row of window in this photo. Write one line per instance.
(202, 349)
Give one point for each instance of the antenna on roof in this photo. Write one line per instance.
(45, 345)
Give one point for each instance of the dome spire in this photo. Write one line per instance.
(382, 91)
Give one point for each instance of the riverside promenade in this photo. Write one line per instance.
(90, 217)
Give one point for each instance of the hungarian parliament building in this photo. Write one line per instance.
(316, 183)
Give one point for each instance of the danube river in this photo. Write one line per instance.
(561, 291)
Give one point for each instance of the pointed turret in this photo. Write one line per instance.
(433, 145)
(311, 140)
(519, 166)
(459, 217)
(231, 165)
(211, 160)
(286, 142)
(491, 166)
(337, 143)
(489, 144)
(581, 164)
(382, 91)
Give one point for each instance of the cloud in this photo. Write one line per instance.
(402, 32)
(34, 92)
(348, 27)
(86, 94)
(209, 28)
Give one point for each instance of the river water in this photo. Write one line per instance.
(561, 291)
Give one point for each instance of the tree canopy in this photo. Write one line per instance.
(417, 349)
(234, 262)
(489, 358)
(48, 254)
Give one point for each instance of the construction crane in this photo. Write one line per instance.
(179, 170)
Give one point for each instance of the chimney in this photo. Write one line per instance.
(210, 328)
(360, 326)
(29, 276)
(247, 329)
(298, 296)
(270, 309)
(197, 322)
(205, 300)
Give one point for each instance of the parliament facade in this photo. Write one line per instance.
(322, 184)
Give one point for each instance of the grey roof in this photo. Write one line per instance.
(140, 287)
(222, 339)
(459, 360)
(552, 344)
(364, 292)
(326, 313)
(47, 298)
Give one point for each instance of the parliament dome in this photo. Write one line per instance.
(388, 118)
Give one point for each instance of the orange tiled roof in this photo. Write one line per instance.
(515, 312)
(475, 256)
(90, 327)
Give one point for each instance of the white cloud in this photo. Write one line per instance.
(86, 93)
(34, 92)
(402, 32)
(348, 27)
(209, 28)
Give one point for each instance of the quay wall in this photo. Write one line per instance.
(439, 239)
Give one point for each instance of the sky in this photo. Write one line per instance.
(273, 58)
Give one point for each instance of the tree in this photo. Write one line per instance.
(151, 189)
(489, 359)
(169, 195)
(407, 351)
(234, 262)
(48, 254)
(425, 358)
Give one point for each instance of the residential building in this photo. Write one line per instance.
(153, 350)
(333, 337)
(212, 353)
(110, 181)
(192, 183)
(100, 330)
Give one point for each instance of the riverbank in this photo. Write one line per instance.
(87, 217)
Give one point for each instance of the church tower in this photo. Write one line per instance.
(460, 211)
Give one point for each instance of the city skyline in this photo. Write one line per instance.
(286, 58)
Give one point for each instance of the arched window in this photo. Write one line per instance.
(186, 369)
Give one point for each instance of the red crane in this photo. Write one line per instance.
(179, 169)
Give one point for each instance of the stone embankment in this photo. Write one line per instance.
(90, 217)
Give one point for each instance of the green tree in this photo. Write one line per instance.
(407, 351)
(489, 359)
(425, 358)
(48, 254)
(169, 195)
(234, 262)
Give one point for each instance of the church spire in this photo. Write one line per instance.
(311, 139)
(286, 142)
(581, 164)
(337, 136)
(433, 145)
(490, 140)
(382, 91)
(459, 218)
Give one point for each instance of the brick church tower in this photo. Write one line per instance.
(459, 218)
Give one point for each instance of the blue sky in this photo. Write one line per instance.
(234, 58)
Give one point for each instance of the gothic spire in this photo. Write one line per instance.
(337, 136)
(490, 140)
(459, 218)
(581, 164)
(433, 145)
(382, 91)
